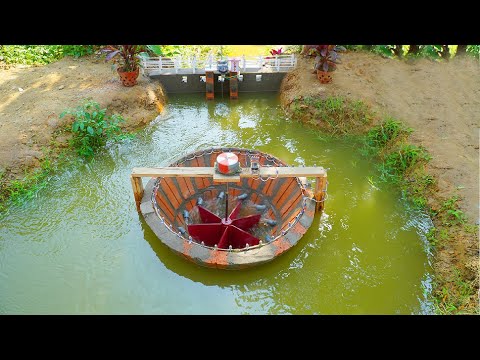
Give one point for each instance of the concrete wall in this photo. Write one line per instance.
(173, 83)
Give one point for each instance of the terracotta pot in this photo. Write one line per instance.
(129, 78)
(325, 77)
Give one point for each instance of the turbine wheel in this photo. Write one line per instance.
(225, 232)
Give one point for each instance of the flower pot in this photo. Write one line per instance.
(325, 77)
(129, 78)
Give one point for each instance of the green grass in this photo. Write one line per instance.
(21, 190)
(91, 128)
(333, 115)
(400, 160)
(454, 214)
(434, 52)
(41, 54)
(455, 298)
(384, 134)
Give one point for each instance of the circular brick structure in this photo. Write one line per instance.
(169, 205)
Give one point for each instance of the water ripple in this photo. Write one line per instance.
(81, 247)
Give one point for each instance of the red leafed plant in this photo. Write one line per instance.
(278, 51)
(129, 60)
(327, 57)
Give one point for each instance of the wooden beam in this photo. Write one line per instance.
(264, 172)
(233, 85)
(137, 187)
(320, 187)
(173, 172)
(225, 178)
(210, 85)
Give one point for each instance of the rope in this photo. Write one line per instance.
(268, 177)
(324, 198)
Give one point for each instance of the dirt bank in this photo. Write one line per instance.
(33, 97)
(441, 102)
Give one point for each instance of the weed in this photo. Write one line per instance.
(431, 236)
(396, 163)
(450, 206)
(26, 188)
(92, 127)
(471, 228)
(443, 305)
(335, 115)
(444, 234)
(379, 136)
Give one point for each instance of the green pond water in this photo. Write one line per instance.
(80, 247)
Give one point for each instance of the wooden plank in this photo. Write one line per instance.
(246, 173)
(233, 85)
(209, 85)
(173, 172)
(225, 178)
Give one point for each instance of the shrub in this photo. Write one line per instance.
(92, 127)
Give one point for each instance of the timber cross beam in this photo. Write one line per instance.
(271, 172)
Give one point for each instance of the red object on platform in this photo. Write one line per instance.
(227, 163)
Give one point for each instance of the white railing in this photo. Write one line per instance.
(193, 65)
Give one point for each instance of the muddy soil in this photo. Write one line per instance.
(32, 98)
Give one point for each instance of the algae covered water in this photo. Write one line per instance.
(80, 247)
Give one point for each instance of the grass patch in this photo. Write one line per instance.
(456, 296)
(333, 115)
(453, 214)
(399, 162)
(91, 128)
(41, 54)
(380, 137)
(21, 190)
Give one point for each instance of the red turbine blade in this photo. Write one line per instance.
(210, 234)
(233, 215)
(207, 216)
(239, 238)
(247, 222)
(224, 242)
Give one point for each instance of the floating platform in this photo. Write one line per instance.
(229, 221)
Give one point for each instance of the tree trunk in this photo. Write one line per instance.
(445, 52)
(398, 50)
(414, 49)
(461, 50)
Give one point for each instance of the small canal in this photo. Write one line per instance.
(80, 247)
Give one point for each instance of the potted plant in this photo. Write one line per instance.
(326, 61)
(127, 59)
